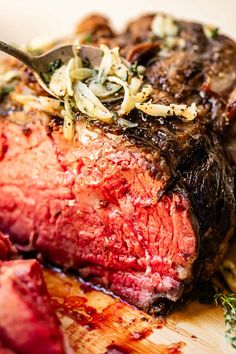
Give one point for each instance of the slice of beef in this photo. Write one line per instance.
(146, 212)
(27, 323)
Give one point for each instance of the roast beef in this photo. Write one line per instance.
(27, 323)
(146, 212)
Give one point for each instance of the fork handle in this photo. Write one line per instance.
(17, 53)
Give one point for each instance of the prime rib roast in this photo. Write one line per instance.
(27, 322)
(146, 212)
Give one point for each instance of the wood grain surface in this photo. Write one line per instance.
(97, 323)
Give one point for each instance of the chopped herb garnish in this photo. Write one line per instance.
(88, 38)
(56, 64)
(52, 67)
(134, 68)
(4, 91)
(214, 32)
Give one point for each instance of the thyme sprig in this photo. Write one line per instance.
(228, 302)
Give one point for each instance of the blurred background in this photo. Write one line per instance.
(22, 20)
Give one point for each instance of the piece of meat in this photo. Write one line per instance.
(134, 213)
(27, 323)
(141, 52)
(26, 318)
(203, 69)
(146, 212)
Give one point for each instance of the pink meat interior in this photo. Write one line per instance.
(93, 206)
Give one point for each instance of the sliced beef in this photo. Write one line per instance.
(146, 212)
(132, 212)
(27, 323)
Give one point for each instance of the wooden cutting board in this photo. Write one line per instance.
(97, 323)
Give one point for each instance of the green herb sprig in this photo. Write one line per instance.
(88, 38)
(134, 68)
(214, 32)
(228, 302)
(5, 90)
